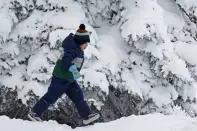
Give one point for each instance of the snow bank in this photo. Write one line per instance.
(152, 122)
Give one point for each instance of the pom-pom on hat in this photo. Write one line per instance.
(82, 36)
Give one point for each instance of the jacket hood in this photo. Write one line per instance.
(69, 42)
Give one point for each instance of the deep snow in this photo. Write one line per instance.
(151, 122)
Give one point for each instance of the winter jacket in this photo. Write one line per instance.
(72, 55)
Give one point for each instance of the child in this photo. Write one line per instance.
(65, 74)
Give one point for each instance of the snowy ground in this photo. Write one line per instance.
(152, 122)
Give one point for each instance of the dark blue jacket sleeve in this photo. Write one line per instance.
(69, 55)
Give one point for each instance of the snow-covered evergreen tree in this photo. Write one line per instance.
(141, 58)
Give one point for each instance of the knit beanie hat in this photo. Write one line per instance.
(82, 36)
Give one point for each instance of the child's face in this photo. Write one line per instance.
(84, 46)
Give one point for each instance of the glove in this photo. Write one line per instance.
(75, 72)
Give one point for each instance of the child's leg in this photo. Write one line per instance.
(75, 93)
(55, 90)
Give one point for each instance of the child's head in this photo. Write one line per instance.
(84, 46)
(82, 37)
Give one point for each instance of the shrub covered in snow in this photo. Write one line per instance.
(141, 59)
